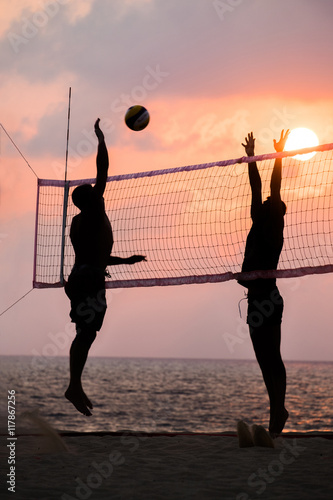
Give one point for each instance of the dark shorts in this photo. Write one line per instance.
(265, 307)
(86, 290)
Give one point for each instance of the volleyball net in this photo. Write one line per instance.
(192, 222)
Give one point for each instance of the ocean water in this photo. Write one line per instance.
(165, 395)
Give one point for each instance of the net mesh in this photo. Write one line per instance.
(192, 222)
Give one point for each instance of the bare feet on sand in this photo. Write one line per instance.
(79, 399)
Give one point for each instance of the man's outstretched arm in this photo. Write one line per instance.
(277, 170)
(116, 261)
(102, 162)
(254, 176)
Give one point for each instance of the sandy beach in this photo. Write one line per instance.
(129, 465)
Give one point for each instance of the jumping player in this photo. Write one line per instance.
(265, 304)
(92, 239)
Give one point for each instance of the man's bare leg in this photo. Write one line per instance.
(279, 382)
(266, 342)
(78, 357)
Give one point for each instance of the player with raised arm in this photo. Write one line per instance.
(265, 304)
(92, 240)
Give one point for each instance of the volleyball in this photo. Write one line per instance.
(137, 117)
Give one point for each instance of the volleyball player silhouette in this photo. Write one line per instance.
(92, 239)
(265, 304)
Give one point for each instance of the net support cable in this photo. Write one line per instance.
(192, 222)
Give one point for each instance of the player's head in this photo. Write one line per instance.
(267, 204)
(81, 196)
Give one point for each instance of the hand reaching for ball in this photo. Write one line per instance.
(98, 132)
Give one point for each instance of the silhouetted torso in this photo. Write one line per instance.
(91, 235)
(264, 244)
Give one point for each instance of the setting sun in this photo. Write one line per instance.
(301, 138)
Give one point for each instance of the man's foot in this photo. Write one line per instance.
(77, 399)
(261, 437)
(244, 435)
(86, 400)
(278, 423)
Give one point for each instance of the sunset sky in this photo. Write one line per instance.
(209, 72)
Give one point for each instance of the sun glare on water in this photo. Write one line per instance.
(301, 138)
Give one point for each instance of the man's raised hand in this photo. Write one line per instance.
(98, 132)
(279, 146)
(249, 144)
